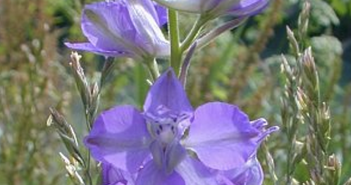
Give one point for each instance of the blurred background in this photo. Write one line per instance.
(240, 67)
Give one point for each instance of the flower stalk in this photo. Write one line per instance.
(152, 67)
(194, 32)
(76, 161)
(204, 40)
(175, 58)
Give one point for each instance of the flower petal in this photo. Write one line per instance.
(217, 8)
(168, 158)
(249, 174)
(157, 153)
(161, 14)
(194, 172)
(193, 6)
(248, 7)
(125, 26)
(167, 94)
(151, 174)
(119, 136)
(260, 125)
(149, 34)
(158, 13)
(107, 25)
(221, 135)
(175, 154)
(91, 48)
(115, 176)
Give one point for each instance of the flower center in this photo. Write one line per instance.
(165, 130)
(165, 133)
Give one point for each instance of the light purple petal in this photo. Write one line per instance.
(248, 7)
(175, 154)
(161, 14)
(91, 48)
(151, 174)
(115, 176)
(249, 174)
(149, 36)
(217, 8)
(167, 159)
(260, 125)
(119, 136)
(193, 6)
(156, 150)
(125, 26)
(107, 25)
(167, 94)
(194, 172)
(221, 135)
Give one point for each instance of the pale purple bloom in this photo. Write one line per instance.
(124, 28)
(215, 8)
(250, 174)
(170, 143)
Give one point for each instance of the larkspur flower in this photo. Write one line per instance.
(124, 28)
(170, 143)
(216, 8)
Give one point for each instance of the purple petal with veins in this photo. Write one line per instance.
(221, 135)
(119, 136)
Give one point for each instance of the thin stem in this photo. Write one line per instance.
(203, 41)
(186, 64)
(106, 70)
(152, 67)
(174, 38)
(194, 32)
(87, 169)
(88, 120)
(155, 68)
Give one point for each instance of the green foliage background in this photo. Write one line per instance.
(240, 67)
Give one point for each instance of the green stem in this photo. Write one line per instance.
(194, 32)
(155, 68)
(87, 170)
(152, 67)
(88, 121)
(106, 70)
(174, 38)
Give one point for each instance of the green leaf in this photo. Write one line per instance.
(323, 13)
(339, 7)
(326, 48)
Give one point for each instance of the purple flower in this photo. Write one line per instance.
(124, 28)
(170, 143)
(215, 8)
